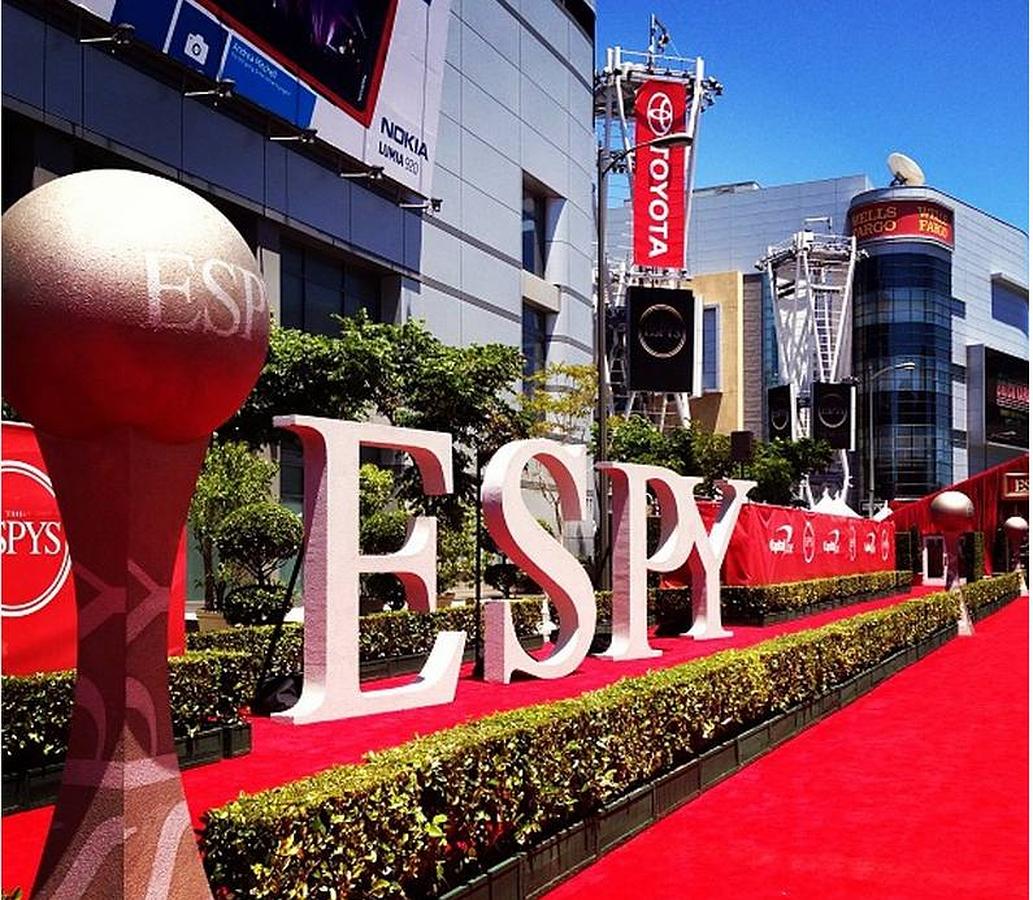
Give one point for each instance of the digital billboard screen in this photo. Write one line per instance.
(338, 45)
(1007, 399)
(364, 75)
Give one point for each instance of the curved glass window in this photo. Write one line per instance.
(902, 313)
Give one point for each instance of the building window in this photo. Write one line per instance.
(534, 231)
(711, 348)
(535, 341)
(315, 287)
(1009, 305)
(903, 307)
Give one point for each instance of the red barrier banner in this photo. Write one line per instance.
(777, 544)
(38, 596)
(658, 187)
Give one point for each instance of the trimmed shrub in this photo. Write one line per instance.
(254, 604)
(381, 635)
(206, 689)
(419, 818)
(748, 603)
(259, 538)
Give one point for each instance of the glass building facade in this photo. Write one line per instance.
(902, 315)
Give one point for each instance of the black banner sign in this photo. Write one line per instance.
(832, 414)
(661, 340)
(781, 413)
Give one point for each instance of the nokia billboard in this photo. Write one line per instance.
(364, 74)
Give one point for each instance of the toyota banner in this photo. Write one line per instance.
(658, 187)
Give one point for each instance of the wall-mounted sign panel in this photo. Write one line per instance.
(1006, 399)
(366, 74)
(907, 220)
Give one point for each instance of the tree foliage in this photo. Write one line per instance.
(233, 476)
(402, 373)
(777, 467)
(259, 538)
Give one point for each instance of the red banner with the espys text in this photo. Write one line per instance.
(38, 598)
(658, 188)
(777, 544)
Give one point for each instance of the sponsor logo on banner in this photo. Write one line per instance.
(32, 541)
(809, 542)
(364, 78)
(907, 220)
(869, 543)
(782, 542)
(885, 544)
(852, 544)
(658, 192)
(831, 542)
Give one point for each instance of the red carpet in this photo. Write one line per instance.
(917, 790)
(283, 753)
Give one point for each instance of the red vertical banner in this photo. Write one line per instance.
(658, 190)
(38, 595)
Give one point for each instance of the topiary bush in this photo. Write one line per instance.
(420, 818)
(259, 538)
(255, 604)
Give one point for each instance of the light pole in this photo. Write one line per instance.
(605, 162)
(869, 382)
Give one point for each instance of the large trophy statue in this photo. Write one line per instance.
(1017, 528)
(953, 512)
(134, 323)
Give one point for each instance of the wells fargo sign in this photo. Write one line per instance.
(910, 220)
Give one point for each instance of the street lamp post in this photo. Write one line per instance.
(869, 383)
(605, 162)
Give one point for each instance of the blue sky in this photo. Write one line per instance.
(818, 89)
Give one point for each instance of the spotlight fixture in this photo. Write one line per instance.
(373, 173)
(223, 90)
(305, 136)
(431, 205)
(122, 36)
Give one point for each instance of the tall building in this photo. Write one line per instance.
(944, 288)
(503, 164)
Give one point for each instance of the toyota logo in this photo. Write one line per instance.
(660, 113)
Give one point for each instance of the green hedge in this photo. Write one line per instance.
(381, 635)
(427, 815)
(987, 590)
(205, 689)
(753, 602)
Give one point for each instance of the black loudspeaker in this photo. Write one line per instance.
(742, 446)
(661, 339)
(782, 413)
(832, 414)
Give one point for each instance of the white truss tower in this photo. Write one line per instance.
(615, 89)
(810, 281)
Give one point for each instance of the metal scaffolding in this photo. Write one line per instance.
(810, 281)
(615, 89)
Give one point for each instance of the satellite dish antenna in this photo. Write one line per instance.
(905, 170)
